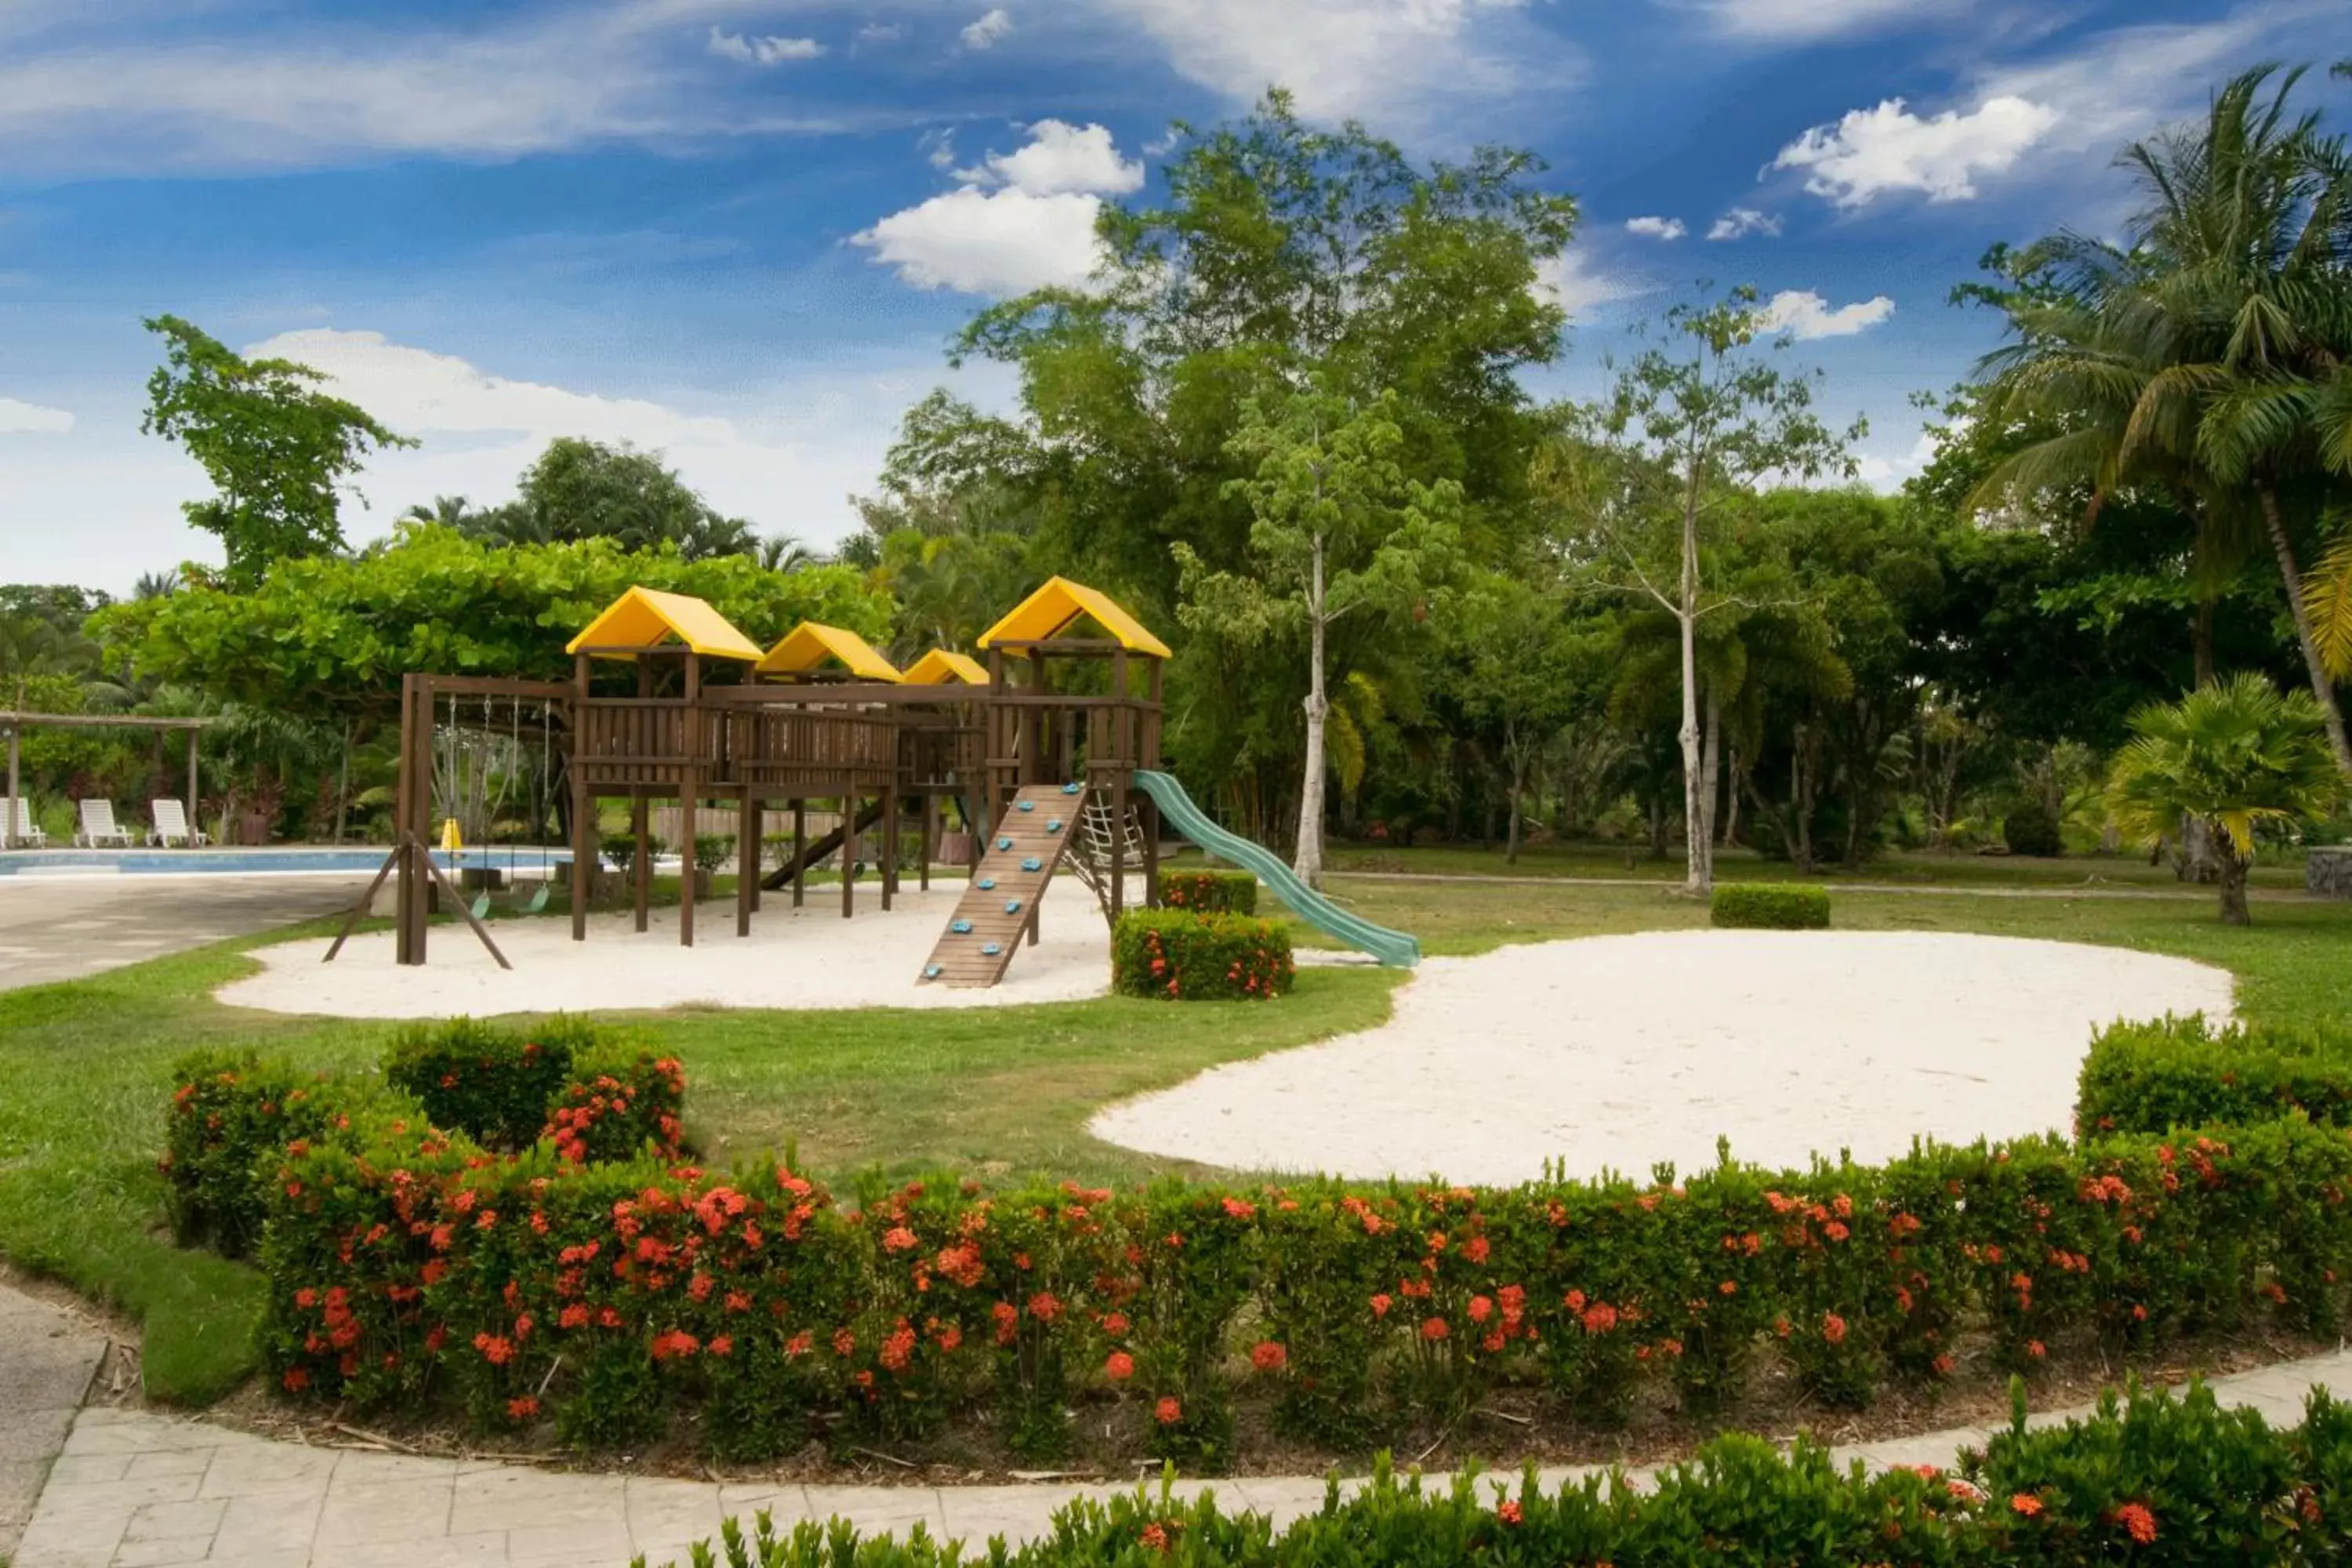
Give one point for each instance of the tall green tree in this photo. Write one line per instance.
(278, 450)
(579, 488)
(1337, 532)
(1691, 424)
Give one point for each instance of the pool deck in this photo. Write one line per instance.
(64, 926)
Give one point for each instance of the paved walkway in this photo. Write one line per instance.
(49, 1359)
(135, 1488)
(62, 927)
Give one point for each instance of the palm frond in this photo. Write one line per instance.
(2328, 599)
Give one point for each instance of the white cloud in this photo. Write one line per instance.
(1805, 315)
(31, 418)
(1872, 152)
(1060, 157)
(1387, 60)
(1657, 228)
(1568, 281)
(1884, 471)
(767, 51)
(1020, 220)
(880, 33)
(1798, 20)
(988, 31)
(1741, 222)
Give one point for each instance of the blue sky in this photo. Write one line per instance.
(740, 230)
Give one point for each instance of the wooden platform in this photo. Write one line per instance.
(1007, 887)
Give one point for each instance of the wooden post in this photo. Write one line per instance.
(747, 859)
(759, 844)
(889, 844)
(641, 869)
(414, 807)
(583, 806)
(848, 856)
(930, 836)
(799, 851)
(688, 782)
(196, 821)
(1122, 763)
(8, 828)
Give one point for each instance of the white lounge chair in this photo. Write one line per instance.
(27, 830)
(97, 823)
(171, 820)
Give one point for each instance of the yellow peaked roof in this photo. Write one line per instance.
(647, 617)
(1050, 610)
(943, 667)
(809, 645)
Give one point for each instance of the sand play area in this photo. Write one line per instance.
(1618, 1052)
(812, 958)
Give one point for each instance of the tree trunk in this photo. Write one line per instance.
(2200, 643)
(2322, 686)
(1710, 772)
(1801, 794)
(1699, 876)
(1310, 861)
(2233, 883)
(1518, 788)
(1731, 831)
(343, 783)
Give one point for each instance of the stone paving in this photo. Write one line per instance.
(49, 1359)
(60, 926)
(135, 1488)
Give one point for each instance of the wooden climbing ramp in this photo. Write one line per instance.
(1006, 887)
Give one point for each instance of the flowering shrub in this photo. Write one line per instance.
(609, 1296)
(2183, 1072)
(2158, 1480)
(492, 1084)
(614, 1105)
(1769, 907)
(1184, 956)
(232, 1114)
(1210, 893)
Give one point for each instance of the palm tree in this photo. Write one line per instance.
(446, 511)
(2234, 754)
(156, 585)
(2193, 361)
(786, 552)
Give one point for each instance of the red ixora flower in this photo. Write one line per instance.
(1433, 1329)
(2136, 1519)
(1267, 1357)
(1509, 1512)
(521, 1409)
(1168, 1412)
(2026, 1503)
(1120, 1367)
(1833, 1328)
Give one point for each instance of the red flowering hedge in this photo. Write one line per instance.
(2156, 1481)
(230, 1111)
(493, 1084)
(1184, 956)
(1210, 893)
(612, 1298)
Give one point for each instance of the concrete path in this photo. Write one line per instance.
(46, 1370)
(155, 1491)
(61, 927)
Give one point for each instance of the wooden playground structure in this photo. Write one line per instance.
(668, 702)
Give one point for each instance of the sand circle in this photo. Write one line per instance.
(1616, 1053)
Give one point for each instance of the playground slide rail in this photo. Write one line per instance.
(1393, 948)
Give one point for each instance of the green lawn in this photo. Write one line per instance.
(994, 1091)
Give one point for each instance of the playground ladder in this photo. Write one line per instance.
(1007, 886)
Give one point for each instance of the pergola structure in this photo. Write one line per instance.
(17, 723)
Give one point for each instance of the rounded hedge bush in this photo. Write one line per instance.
(2032, 830)
(1188, 957)
(1210, 893)
(2158, 1076)
(1769, 906)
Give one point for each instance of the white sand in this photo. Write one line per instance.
(810, 959)
(1619, 1052)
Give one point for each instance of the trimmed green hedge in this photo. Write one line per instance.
(1210, 893)
(492, 1084)
(2156, 1481)
(2183, 1072)
(1769, 906)
(1183, 956)
(2030, 830)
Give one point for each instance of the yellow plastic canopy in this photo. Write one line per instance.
(810, 643)
(1050, 610)
(943, 666)
(645, 618)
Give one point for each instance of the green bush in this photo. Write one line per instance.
(1210, 893)
(234, 1116)
(493, 1084)
(1766, 905)
(2155, 1480)
(713, 851)
(2029, 830)
(617, 1104)
(2183, 1072)
(1190, 957)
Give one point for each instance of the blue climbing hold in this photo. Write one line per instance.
(931, 972)
(1012, 905)
(1053, 825)
(961, 927)
(1072, 788)
(990, 950)
(1032, 864)
(987, 884)
(1004, 843)
(1025, 806)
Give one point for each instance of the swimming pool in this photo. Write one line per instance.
(530, 862)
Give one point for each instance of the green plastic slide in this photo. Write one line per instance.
(1392, 948)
